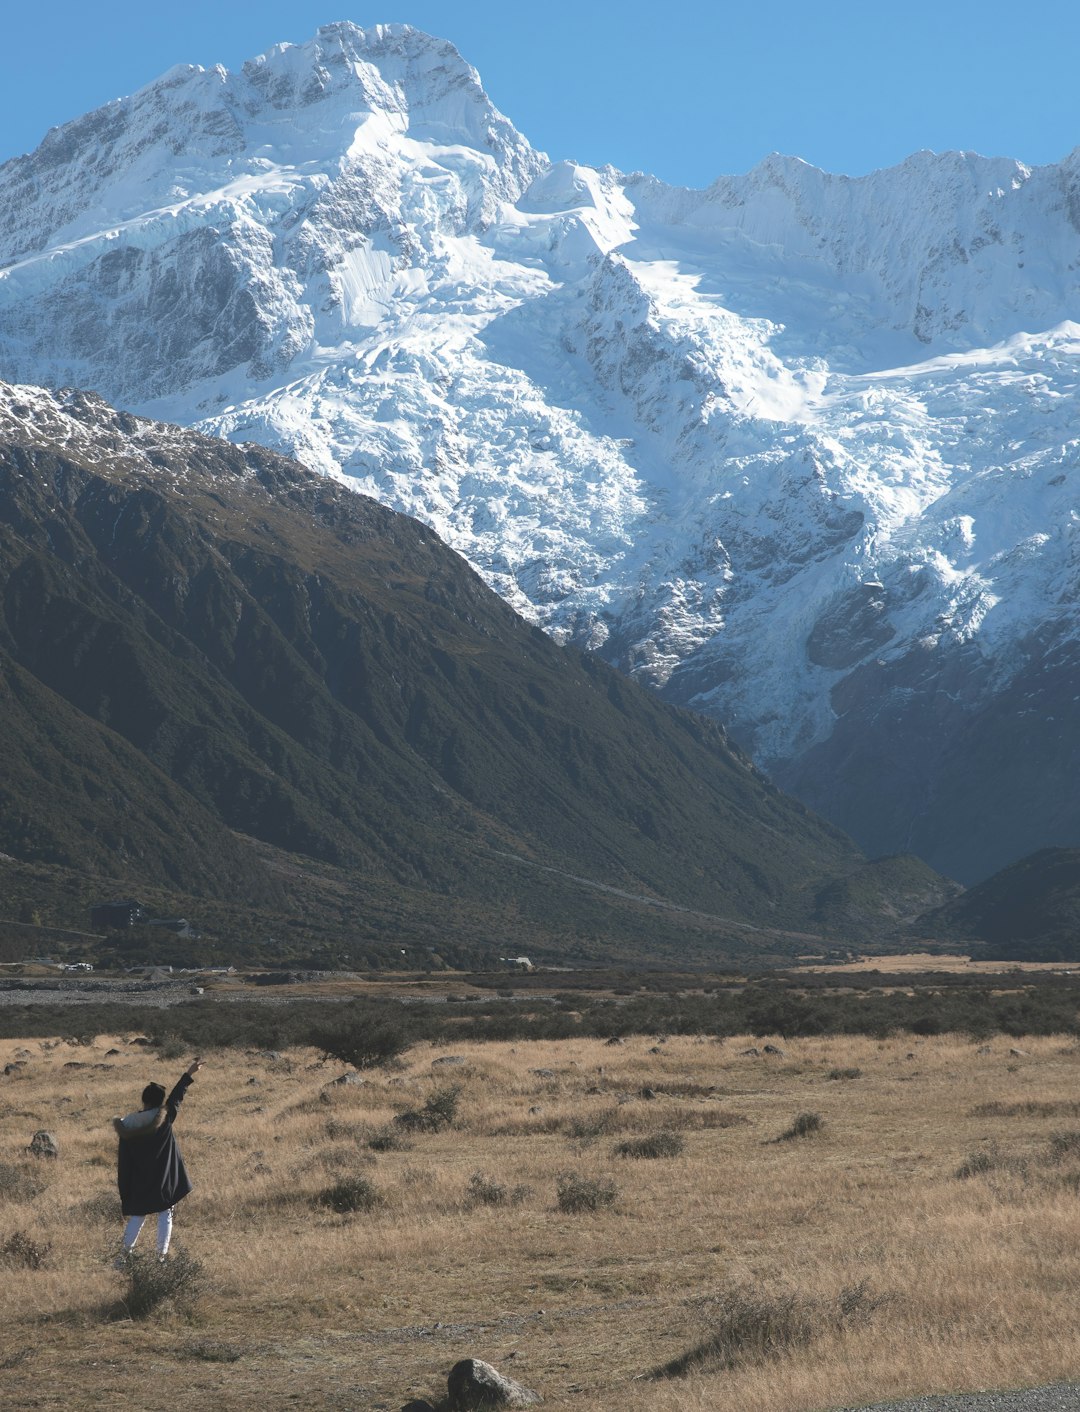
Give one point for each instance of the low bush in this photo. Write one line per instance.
(152, 1283)
(352, 1193)
(655, 1145)
(389, 1139)
(486, 1191)
(438, 1112)
(844, 1074)
(24, 1252)
(747, 1325)
(803, 1125)
(575, 1193)
(1064, 1146)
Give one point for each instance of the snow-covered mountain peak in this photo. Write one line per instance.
(797, 449)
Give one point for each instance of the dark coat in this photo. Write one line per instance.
(149, 1169)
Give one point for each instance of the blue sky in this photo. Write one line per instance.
(684, 89)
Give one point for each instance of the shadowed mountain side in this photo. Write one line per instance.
(324, 675)
(1027, 912)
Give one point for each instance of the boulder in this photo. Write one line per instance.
(774, 1049)
(43, 1144)
(448, 1061)
(473, 1385)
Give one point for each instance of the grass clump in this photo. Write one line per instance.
(803, 1125)
(840, 1074)
(352, 1193)
(153, 1283)
(747, 1325)
(486, 1191)
(1064, 1146)
(438, 1112)
(22, 1251)
(389, 1139)
(576, 1193)
(655, 1145)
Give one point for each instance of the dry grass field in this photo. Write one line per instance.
(877, 1268)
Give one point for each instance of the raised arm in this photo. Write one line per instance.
(172, 1103)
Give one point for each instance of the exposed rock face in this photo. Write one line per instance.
(43, 1144)
(797, 450)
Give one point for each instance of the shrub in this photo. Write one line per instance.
(389, 1139)
(655, 1145)
(438, 1112)
(975, 1164)
(844, 1074)
(750, 1326)
(576, 1193)
(486, 1191)
(367, 1043)
(22, 1250)
(152, 1282)
(591, 1126)
(354, 1193)
(1064, 1146)
(989, 1160)
(803, 1125)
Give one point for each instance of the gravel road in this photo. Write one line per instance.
(1062, 1397)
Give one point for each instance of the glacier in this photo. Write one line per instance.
(797, 450)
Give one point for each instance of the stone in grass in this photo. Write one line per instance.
(473, 1384)
(418, 1404)
(774, 1049)
(43, 1144)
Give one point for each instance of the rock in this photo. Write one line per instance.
(543, 1073)
(16, 1068)
(43, 1144)
(1019, 1053)
(110, 1052)
(418, 1404)
(648, 1093)
(774, 1049)
(473, 1384)
(448, 1061)
(656, 1049)
(750, 1053)
(536, 1108)
(984, 1049)
(349, 1078)
(614, 1040)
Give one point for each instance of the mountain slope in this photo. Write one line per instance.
(210, 633)
(798, 450)
(1027, 912)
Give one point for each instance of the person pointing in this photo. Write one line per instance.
(150, 1171)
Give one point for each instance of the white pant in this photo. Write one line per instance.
(164, 1231)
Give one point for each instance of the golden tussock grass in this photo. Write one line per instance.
(964, 1282)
